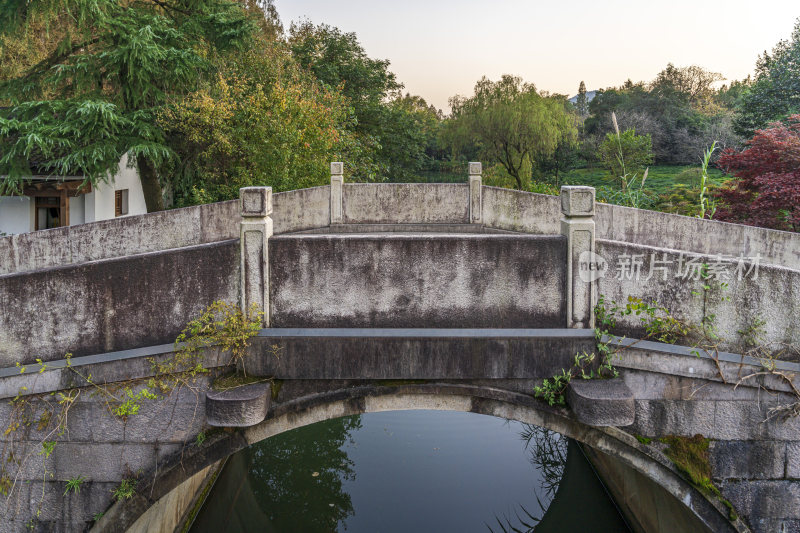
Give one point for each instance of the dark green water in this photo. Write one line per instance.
(410, 471)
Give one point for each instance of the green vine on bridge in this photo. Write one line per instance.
(221, 325)
(660, 324)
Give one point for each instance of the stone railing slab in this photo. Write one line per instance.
(119, 237)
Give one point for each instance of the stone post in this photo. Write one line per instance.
(475, 193)
(255, 231)
(337, 186)
(577, 225)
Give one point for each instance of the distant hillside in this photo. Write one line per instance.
(589, 97)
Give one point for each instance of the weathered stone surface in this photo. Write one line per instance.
(420, 280)
(520, 211)
(750, 420)
(773, 525)
(301, 209)
(601, 402)
(108, 462)
(577, 200)
(243, 406)
(673, 417)
(747, 459)
(793, 460)
(256, 201)
(114, 304)
(577, 225)
(405, 228)
(119, 237)
(651, 228)
(769, 297)
(761, 500)
(501, 355)
(393, 203)
(165, 420)
(673, 372)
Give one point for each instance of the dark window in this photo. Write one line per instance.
(48, 212)
(121, 202)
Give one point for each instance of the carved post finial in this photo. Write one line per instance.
(255, 231)
(337, 190)
(577, 225)
(475, 196)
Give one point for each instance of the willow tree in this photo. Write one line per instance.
(97, 93)
(510, 123)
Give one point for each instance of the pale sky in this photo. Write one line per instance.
(439, 48)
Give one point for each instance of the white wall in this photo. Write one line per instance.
(100, 202)
(15, 214)
(77, 213)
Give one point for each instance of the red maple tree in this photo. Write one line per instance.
(767, 189)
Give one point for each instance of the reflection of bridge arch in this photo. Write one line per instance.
(314, 408)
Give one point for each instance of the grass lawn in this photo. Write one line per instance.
(661, 179)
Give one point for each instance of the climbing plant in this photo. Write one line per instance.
(38, 422)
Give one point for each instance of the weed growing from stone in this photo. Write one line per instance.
(74, 485)
(221, 325)
(553, 390)
(125, 490)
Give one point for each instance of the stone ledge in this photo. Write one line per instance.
(243, 406)
(602, 402)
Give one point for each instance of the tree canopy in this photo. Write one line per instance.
(261, 121)
(775, 94)
(97, 94)
(767, 189)
(511, 123)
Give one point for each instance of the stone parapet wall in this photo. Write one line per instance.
(766, 293)
(300, 210)
(114, 304)
(119, 237)
(398, 203)
(521, 211)
(423, 280)
(708, 237)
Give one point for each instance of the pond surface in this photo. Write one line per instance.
(410, 471)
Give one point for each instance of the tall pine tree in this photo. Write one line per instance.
(581, 103)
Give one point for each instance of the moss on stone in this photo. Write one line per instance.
(643, 440)
(276, 388)
(200, 499)
(690, 456)
(732, 515)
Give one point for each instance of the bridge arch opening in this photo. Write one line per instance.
(608, 443)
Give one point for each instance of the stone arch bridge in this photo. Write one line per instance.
(398, 296)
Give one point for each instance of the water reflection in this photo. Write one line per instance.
(405, 471)
(292, 482)
(547, 454)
